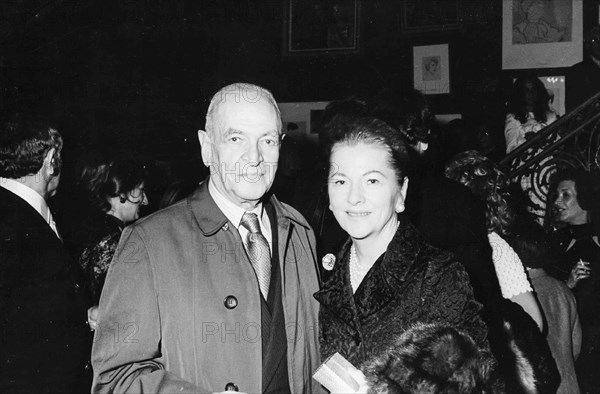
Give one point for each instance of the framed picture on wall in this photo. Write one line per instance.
(314, 27)
(420, 16)
(541, 33)
(431, 69)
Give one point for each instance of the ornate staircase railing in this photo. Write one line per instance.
(571, 141)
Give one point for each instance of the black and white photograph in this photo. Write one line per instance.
(299, 196)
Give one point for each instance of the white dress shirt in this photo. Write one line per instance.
(234, 214)
(32, 198)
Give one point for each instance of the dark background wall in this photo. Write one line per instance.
(139, 73)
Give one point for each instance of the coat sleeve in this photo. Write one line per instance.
(447, 297)
(126, 354)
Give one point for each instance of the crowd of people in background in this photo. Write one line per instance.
(396, 242)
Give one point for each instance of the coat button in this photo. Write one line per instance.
(230, 302)
(231, 387)
(225, 227)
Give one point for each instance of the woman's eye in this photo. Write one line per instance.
(338, 182)
(372, 181)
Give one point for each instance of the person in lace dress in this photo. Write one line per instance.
(117, 189)
(386, 277)
(516, 322)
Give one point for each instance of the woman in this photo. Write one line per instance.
(487, 182)
(116, 189)
(386, 278)
(515, 322)
(574, 196)
(529, 111)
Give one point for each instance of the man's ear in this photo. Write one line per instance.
(205, 147)
(48, 165)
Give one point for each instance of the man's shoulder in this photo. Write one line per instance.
(170, 215)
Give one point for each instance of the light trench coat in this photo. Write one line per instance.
(164, 326)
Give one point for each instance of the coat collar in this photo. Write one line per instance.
(382, 284)
(210, 219)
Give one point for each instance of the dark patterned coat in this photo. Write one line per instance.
(412, 282)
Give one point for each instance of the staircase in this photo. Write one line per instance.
(572, 141)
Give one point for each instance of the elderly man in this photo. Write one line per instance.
(44, 342)
(215, 292)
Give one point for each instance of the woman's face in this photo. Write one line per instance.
(566, 206)
(364, 194)
(130, 209)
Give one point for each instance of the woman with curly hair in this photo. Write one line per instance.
(529, 111)
(116, 188)
(489, 184)
(515, 322)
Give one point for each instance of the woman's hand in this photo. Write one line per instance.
(580, 271)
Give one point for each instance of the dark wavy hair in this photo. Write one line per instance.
(488, 183)
(517, 105)
(113, 178)
(24, 144)
(587, 186)
(369, 130)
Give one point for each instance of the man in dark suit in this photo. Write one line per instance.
(44, 341)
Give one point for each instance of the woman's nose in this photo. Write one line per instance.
(144, 199)
(355, 194)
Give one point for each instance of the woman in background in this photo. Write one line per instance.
(386, 277)
(575, 197)
(116, 189)
(529, 111)
(516, 322)
(488, 183)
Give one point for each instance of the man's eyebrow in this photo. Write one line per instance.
(231, 131)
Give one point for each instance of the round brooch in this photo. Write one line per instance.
(328, 261)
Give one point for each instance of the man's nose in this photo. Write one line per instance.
(144, 199)
(254, 154)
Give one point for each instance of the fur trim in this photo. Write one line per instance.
(433, 358)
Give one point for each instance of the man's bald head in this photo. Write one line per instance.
(233, 94)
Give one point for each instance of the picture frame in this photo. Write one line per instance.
(431, 69)
(541, 33)
(434, 15)
(321, 27)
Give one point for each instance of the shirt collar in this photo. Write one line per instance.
(231, 211)
(32, 197)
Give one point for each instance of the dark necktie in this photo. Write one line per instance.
(258, 251)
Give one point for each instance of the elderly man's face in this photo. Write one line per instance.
(244, 150)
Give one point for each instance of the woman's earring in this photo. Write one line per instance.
(122, 199)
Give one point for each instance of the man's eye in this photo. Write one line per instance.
(338, 182)
(372, 181)
(234, 139)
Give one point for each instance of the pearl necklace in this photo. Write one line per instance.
(357, 271)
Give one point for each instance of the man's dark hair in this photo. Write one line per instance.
(24, 144)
